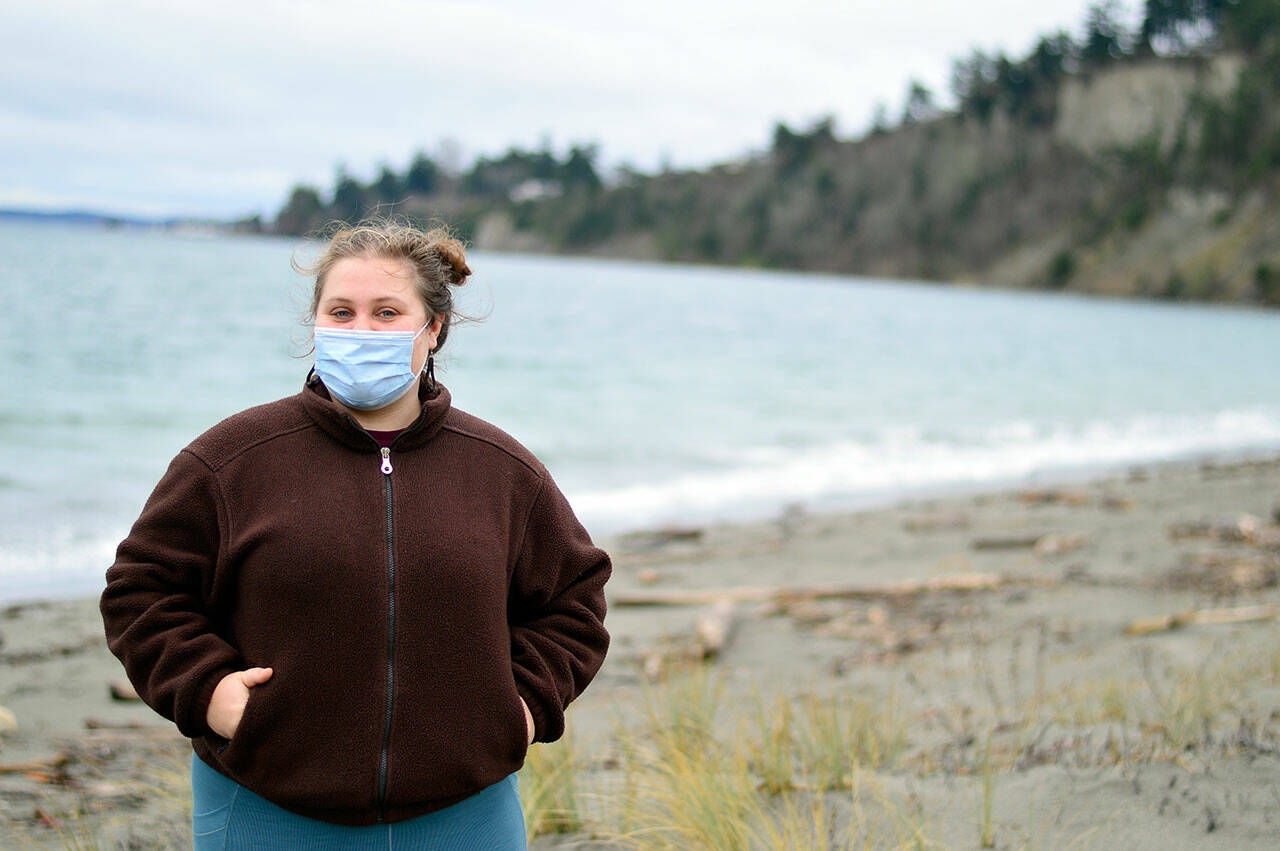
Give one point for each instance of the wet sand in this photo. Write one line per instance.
(1099, 738)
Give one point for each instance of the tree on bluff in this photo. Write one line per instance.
(387, 188)
(794, 149)
(1104, 35)
(348, 198)
(919, 105)
(302, 212)
(1180, 26)
(423, 176)
(1190, 26)
(579, 169)
(973, 84)
(1053, 58)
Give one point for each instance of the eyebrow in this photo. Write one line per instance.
(340, 299)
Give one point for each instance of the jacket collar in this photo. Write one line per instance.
(335, 421)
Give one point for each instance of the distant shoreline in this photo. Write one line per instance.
(206, 227)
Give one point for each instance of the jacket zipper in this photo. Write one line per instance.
(391, 630)
(386, 469)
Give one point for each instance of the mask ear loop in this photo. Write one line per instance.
(431, 372)
(430, 368)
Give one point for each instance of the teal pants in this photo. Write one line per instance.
(227, 816)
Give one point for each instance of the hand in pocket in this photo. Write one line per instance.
(230, 696)
(528, 719)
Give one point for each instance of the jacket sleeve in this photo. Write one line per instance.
(154, 606)
(556, 611)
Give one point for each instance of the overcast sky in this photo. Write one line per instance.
(162, 107)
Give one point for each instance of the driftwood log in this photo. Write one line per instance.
(123, 690)
(8, 721)
(903, 588)
(1247, 529)
(712, 630)
(1007, 542)
(35, 765)
(713, 627)
(1164, 623)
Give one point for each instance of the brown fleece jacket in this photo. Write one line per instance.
(405, 603)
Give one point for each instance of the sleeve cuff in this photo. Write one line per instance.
(197, 722)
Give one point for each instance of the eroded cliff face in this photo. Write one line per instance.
(1200, 244)
(1185, 240)
(1129, 104)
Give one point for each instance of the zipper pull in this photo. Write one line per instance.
(386, 460)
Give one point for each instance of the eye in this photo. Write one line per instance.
(387, 313)
(340, 313)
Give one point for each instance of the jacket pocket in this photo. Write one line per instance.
(237, 751)
(522, 744)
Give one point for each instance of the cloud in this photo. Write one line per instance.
(219, 108)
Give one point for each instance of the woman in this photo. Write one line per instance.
(361, 604)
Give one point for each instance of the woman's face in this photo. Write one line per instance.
(376, 294)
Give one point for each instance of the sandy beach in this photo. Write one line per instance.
(1084, 663)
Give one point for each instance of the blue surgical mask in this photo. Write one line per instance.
(366, 370)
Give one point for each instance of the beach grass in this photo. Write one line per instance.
(95, 810)
(793, 769)
(779, 771)
(73, 826)
(548, 784)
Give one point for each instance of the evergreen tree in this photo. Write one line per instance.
(387, 189)
(1181, 26)
(349, 199)
(919, 104)
(1013, 85)
(879, 119)
(1253, 25)
(423, 176)
(795, 149)
(1052, 57)
(973, 84)
(579, 169)
(1104, 35)
(301, 212)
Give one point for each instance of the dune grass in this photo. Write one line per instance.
(775, 772)
(549, 788)
(793, 769)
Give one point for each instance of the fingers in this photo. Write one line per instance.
(255, 676)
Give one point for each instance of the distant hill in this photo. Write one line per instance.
(99, 219)
(1143, 163)
(78, 217)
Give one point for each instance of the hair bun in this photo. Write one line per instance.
(454, 259)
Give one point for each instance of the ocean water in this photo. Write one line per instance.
(655, 394)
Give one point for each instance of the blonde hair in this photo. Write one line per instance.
(436, 258)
